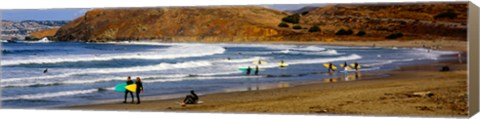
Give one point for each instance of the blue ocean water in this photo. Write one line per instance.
(83, 73)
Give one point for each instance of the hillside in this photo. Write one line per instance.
(427, 21)
(205, 24)
(359, 22)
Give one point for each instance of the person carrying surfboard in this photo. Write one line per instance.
(129, 81)
(256, 70)
(355, 66)
(249, 70)
(139, 88)
(330, 67)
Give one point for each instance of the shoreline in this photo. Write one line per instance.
(225, 106)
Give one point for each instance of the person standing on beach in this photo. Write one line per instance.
(330, 67)
(256, 70)
(139, 88)
(249, 70)
(355, 66)
(129, 81)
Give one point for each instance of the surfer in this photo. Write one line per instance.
(249, 70)
(282, 63)
(139, 88)
(355, 66)
(129, 81)
(259, 62)
(345, 64)
(45, 71)
(330, 67)
(191, 99)
(256, 70)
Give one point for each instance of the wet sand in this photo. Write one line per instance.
(391, 95)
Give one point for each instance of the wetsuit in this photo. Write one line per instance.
(330, 67)
(249, 70)
(191, 99)
(126, 92)
(345, 64)
(256, 70)
(138, 90)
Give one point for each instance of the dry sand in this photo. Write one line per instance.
(390, 95)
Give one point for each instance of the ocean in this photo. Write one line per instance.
(84, 73)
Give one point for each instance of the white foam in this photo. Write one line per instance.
(49, 95)
(181, 51)
(162, 66)
(315, 61)
(245, 60)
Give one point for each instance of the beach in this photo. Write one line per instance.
(418, 90)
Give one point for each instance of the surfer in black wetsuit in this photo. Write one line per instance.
(45, 71)
(345, 64)
(355, 66)
(256, 70)
(191, 99)
(129, 81)
(330, 67)
(249, 70)
(139, 88)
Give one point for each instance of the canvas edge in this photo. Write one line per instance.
(473, 59)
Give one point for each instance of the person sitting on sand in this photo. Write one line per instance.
(256, 70)
(139, 88)
(191, 99)
(249, 70)
(129, 81)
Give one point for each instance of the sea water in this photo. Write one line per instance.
(83, 73)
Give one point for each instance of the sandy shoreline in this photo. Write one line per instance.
(390, 95)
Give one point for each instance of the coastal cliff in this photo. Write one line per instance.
(426, 21)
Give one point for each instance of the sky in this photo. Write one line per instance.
(71, 14)
(42, 14)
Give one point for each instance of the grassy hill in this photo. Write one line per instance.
(360, 22)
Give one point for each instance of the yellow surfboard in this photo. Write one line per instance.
(333, 66)
(348, 68)
(353, 66)
(132, 87)
(282, 64)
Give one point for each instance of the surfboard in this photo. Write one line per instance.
(348, 68)
(261, 62)
(120, 87)
(282, 64)
(333, 66)
(353, 66)
(131, 87)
